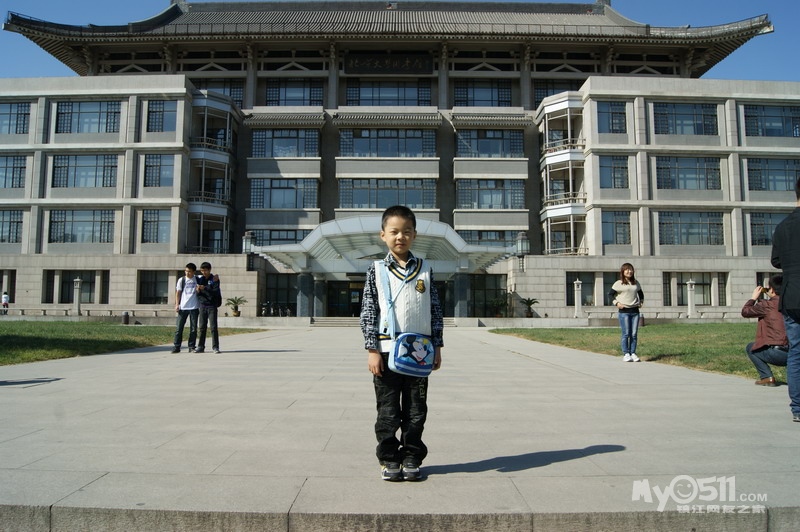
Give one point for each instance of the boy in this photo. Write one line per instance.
(208, 294)
(186, 306)
(401, 399)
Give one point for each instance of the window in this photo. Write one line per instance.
(703, 287)
(285, 143)
(772, 174)
(383, 193)
(89, 171)
(494, 143)
(10, 227)
(482, 93)
(295, 92)
(15, 118)
(762, 227)
(587, 288)
(489, 238)
(232, 88)
(162, 116)
(154, 287)
(274, 237)
(81, 226)
(283, 193)
(88, 286)
(155, 226)
(487, 294)
(685, 118)
(490, 194)
(12, 171)
(690, 228)
(616, 227)
(389, 93)
(688, 173)
(613, 171)
(387, 143)
(159, 170)
(609, 278)
(542, 88)
(87, 117)
(771, 121)
(281, 292)
(611, 117)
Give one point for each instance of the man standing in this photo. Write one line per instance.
(771, 345)
(786, 256)
(210, 297)
(187, 307)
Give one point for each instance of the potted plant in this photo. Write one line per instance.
(234, 303)
(499, 304)
(529, 302)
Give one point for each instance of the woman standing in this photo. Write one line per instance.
(628, 297)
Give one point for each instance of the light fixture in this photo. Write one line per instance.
(523, 247)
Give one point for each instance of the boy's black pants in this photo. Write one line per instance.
(402, 404)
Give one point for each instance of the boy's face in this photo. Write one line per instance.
(398, 233)
(206, 272)
(189, 272)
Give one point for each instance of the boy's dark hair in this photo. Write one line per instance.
(399, 210)
(775, 282)
(205, 265)
(191, 266)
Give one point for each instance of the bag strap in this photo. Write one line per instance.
(387, 289)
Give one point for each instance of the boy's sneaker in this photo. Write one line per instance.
(199, 349)
(176, 349)
(410, 469)
(391, 471)
(634, 358)
(216, 350)
(627, 358)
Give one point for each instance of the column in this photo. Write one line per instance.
(577, 296)
(461, 294)
(305, 293)
(690, 296)
(320, 287)
(76, 296)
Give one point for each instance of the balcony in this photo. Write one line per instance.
(210, 143)
(564, 198)
(567, 251)
(215, 198)
(560, 145)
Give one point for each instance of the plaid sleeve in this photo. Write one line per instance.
(437, 317)
(370, 312)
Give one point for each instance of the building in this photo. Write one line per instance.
(564, 134)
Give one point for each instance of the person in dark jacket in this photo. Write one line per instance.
(786, 256)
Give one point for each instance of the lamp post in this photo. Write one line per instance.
(248, 240)
(523, 247)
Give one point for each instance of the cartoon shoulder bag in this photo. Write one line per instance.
(411, 353)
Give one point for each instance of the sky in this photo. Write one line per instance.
(766, 57)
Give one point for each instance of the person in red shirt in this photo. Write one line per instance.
(771, 345)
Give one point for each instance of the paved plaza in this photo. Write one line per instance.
(276, 433)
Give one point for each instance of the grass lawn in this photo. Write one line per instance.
(32, 341)
(716, 347)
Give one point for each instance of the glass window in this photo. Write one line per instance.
(271, 143)
(281, 293)
(81, 226)
(762, 227)
(388, 93)
(542, 88)
(490, 194)
(159, 170)
(284, 193)
(482, 93)
(492, 143)
(587, 288)
(154, 287)
(274, 237)
(88, 285)
(611, 117)
(88, 171)
(162, 116)
(616, 227)
(87, 117)
(487, 294)
(688, 173)
(10, 227)
(613, 171)
(155, 226)
(383, 193)
(703, 287)
(772, 174)
(685, 118)
(295, 92)
(771, 121)
(387, 143)
(15, 118)
(232, 88)
(690, 228)
(489, 238)
(12, 171)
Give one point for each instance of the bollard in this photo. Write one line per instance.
(125, 318)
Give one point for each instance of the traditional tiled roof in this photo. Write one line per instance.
(531, 22)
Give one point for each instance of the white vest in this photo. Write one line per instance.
(412, 303)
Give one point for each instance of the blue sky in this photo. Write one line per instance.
(767, 57)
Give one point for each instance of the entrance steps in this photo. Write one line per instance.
(354, 322)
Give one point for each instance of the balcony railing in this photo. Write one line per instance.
(567, 251)
(564, 198)
(210, 143)
(563, 144)
(210, 197)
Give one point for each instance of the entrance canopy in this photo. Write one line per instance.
(340, 249)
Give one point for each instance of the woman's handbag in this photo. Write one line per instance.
(411, 353)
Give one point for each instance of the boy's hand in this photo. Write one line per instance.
(437, 358)
(375, 363)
